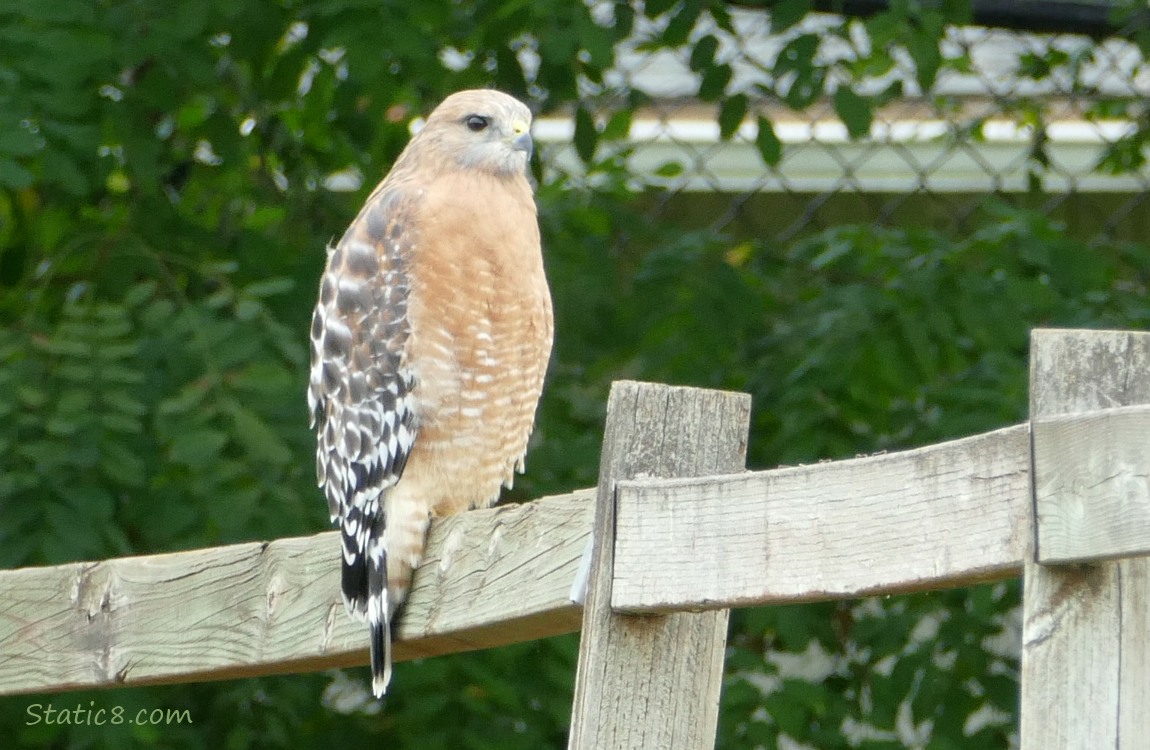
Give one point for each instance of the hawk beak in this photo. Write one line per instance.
(521, 140)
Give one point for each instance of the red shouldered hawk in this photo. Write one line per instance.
(428, 348)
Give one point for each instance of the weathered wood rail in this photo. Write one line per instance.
(491, 577)
(674, 536)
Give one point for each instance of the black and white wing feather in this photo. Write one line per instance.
(361, 402)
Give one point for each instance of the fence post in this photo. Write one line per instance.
(1086, 627)
(653, 681)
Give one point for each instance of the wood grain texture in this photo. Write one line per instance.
(1092, 485)
(490, 577)
(654, 681)
(951, 514)
(1085, 632)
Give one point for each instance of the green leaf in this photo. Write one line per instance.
(769, 145)
(923, 47)
(266, 378)
(260, 440)
(855, 111)
(31, 397)
(14, 176)
(60, 169)
(655, 8)
(1126, 155)
(111, 352)
(59, 427)
(796, 63)
(731, 115)
(16, 140)
(619, 126)
(247, 310)
(269, 287)
(714, 83)
(75, 402)
(121, 465)
(120, 375)
(797, 56)
(682, 23)
(703, 53)
(958, 12)
(139, 293)
(599, 45)
(586, 136)
(787, 13)
(198, 448)
(71, 537)
(92, 502)
(187, 400)
(121, 423)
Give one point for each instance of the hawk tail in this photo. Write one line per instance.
(365, 594)
(377, 580)
(380, 643)
(378, 611)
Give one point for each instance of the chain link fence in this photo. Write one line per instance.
(1043, 121)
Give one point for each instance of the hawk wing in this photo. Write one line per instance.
(360, 389)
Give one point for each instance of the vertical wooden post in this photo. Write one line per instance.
(653, 681)
(1086, 627)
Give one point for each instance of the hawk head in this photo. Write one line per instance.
(480, 129)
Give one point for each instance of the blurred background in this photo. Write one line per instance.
(853, 210)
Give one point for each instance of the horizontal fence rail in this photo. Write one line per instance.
(946, 515)
(490, 578)
(952, 514)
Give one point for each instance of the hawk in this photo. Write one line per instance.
(429, 344)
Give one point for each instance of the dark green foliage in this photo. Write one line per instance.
(162, 225)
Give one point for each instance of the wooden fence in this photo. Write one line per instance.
(650, 562)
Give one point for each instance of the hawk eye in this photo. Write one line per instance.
(475, 123)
